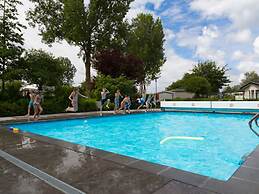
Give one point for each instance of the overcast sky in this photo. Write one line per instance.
(222, 30)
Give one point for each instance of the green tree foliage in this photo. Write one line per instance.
(11, 40)
(44, 69)
(250, 77)
(90, 27)
(231, 89)
(215, 75)
(127, 87)
(179, 84)
(146, 41)
(116, 64)
(198, 85)
(191, 83)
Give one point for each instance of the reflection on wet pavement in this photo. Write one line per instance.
(16, 181)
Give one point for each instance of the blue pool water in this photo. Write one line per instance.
(224, 138)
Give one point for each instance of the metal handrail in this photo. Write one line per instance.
(255, 118)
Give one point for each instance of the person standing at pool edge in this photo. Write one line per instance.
(104, 93)
(73, 97)
(31, 97)
(117, 97)
(37, 107)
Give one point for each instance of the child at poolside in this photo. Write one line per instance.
(117, 97)
(149, 101)
(37, 106)
(31, 97)
(74, 100)
(125, 104)
(141, 101)
(104, 93)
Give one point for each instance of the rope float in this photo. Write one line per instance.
(181, 138)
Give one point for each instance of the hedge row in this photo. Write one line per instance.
(50, 106)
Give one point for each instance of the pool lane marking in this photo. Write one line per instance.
(54, 182)
(181, 138)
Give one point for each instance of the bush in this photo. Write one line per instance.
(86, 105)
(12, 109)
(12, 91)
(111, 107)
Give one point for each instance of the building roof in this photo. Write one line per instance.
(178, 90)
(168, 92)
(173, 91)
(248, 84)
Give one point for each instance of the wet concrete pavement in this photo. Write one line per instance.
(14, 180)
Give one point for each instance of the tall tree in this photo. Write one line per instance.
(116, 64)
(215, 74)
(11, 39)
(191, 83)
(146, 41)
(90, 27)
(44, 69)
(250, 77)
(198, 85)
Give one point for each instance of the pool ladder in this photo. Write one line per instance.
(254, 119)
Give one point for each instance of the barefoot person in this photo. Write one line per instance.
(125, 104)
(37, 107)
(141, 101)
(117, 97)
(150, 102)
(31, 97)
(104, 99)
(104, 93)
(73, 97)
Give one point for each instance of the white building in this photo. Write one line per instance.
(250, 91)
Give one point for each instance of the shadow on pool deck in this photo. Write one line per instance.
(99, 172)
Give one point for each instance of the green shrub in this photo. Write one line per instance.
(12, 109)
(111, 107)
(86, 105)
(53, 105)
(12, 91)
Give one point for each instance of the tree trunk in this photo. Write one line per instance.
(87, 48)
(88, 75)
(3, 85)
(88, 72)
(143, 87)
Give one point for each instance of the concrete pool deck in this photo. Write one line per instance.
(92, 170)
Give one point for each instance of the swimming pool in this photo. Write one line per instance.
(207, 144)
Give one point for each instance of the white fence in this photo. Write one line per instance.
(244, 105)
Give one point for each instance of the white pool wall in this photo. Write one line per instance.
(254, 105)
